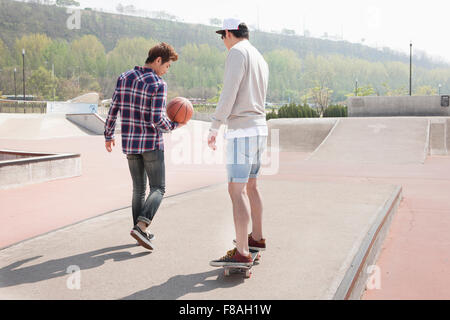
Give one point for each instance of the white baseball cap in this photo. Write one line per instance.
(230, 24)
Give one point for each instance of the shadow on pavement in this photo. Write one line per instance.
(11, 276)
(180, 285)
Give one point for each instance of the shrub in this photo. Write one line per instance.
(293, 111)
(335, 111)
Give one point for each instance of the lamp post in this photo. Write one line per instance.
(439, 89)
(53, 81)
(15, 86)
(356, 88)
(23, 70)
(410, 68)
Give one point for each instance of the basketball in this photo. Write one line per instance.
(180, 110)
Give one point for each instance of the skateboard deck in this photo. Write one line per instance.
(256, 257)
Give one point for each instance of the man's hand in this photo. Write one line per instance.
(108, 145)
(212, 139)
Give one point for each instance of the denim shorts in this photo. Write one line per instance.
(244, 157)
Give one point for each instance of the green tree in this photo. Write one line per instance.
(198, 71)
(59, 54)
(42, 84)
(425, 91)
(89, 56)
(5, 57)
(67, 89)
(394, 92)
(121, 58)
(363, 91)
(321, 97)
(34, 45)
(285, 74)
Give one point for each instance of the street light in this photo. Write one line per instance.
(15, 86)
(23, 70)
(410, 68)
(356, 88)
(439, 87)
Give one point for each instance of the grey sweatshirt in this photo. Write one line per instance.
(242, 101)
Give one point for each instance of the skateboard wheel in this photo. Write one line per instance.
(226, 272)
(248, 274)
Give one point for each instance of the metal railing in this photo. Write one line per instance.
(12, 106)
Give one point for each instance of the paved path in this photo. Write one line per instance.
(312, 229)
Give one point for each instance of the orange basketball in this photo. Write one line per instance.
(180, 110)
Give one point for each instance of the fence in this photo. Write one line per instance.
(12, 106)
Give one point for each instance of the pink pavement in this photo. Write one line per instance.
(415, 257)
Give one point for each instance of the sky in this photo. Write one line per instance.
(377, 23)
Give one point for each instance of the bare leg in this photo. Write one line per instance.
(256, 208)
(241, 215)
(143, 226)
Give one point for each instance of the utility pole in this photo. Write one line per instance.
(23, 71)
(53, 81)
(15, 86)
(410, 68)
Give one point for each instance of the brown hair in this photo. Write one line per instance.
(163, 50)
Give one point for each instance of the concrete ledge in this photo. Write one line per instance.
(354, 282)
(396, 106)
(19, 168)
(438, 136)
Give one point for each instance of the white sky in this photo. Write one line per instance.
(390, 23)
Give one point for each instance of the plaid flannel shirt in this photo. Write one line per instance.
(140, 96)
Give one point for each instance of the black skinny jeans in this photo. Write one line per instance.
(151, 164)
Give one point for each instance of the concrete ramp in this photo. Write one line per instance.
(300, 135)
(37, 126)
(375, 140)
(91, 122)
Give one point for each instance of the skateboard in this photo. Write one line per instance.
(256, 256)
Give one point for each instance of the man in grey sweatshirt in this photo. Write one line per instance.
(242, 107)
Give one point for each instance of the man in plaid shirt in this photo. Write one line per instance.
(140, 97)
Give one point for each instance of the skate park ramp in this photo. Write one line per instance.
(375, 141)
(38, 126)
(91, 122)
(49, 126)
(300, 135)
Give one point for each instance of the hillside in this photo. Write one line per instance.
(62, 63)
(18, 19)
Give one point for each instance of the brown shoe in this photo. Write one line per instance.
(255, 245)
(233, 259)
